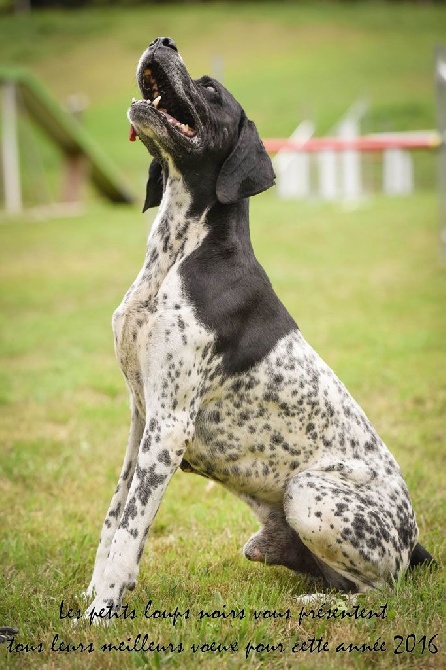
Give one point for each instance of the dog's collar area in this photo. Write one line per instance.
(159, 94)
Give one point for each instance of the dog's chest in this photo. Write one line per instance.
(157, 290)
(151, 339)
(132, 322)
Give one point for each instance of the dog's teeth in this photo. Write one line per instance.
(156, 102)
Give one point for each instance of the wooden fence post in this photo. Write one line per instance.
(10, 150)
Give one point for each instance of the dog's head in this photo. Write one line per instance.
(197, 126)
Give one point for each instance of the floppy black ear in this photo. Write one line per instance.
(247, 170)
(155, 186)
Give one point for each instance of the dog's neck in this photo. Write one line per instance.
(228, 225)
(184, 220)
(174, 234)
(179, 228)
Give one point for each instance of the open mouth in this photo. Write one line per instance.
(159, 94)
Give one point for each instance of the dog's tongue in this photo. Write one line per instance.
(132, 134)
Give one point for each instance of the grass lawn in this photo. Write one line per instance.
(364, 285)
(368, 293)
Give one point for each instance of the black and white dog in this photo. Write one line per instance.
(221, 381)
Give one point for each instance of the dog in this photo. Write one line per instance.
(222, 382)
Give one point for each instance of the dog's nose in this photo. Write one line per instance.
(163, 42)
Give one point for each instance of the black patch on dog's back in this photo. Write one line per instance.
(231, 292)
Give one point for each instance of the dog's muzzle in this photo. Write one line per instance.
(162, 78)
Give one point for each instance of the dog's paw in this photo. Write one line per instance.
(91, 591)
(253, 553)
(256, 548)
(88, 594)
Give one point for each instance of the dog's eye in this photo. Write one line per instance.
(211, 89)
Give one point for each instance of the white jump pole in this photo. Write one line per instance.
(10, 151)
(350, 165)
(328, 175)
(397, 172)
(293, 167)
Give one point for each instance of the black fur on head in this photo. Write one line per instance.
(198, 127)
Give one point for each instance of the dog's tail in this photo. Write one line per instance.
(421, 557)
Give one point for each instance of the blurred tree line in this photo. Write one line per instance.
(27, 5)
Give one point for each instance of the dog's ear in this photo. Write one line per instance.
(247, 170)
(155, 186)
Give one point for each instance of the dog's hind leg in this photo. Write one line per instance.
(118, 500)
(276, 543)
(361, 533)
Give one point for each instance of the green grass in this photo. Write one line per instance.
(365, 287)
(364, 284)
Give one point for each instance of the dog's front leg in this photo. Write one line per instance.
(117, 503)
(160, 452)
